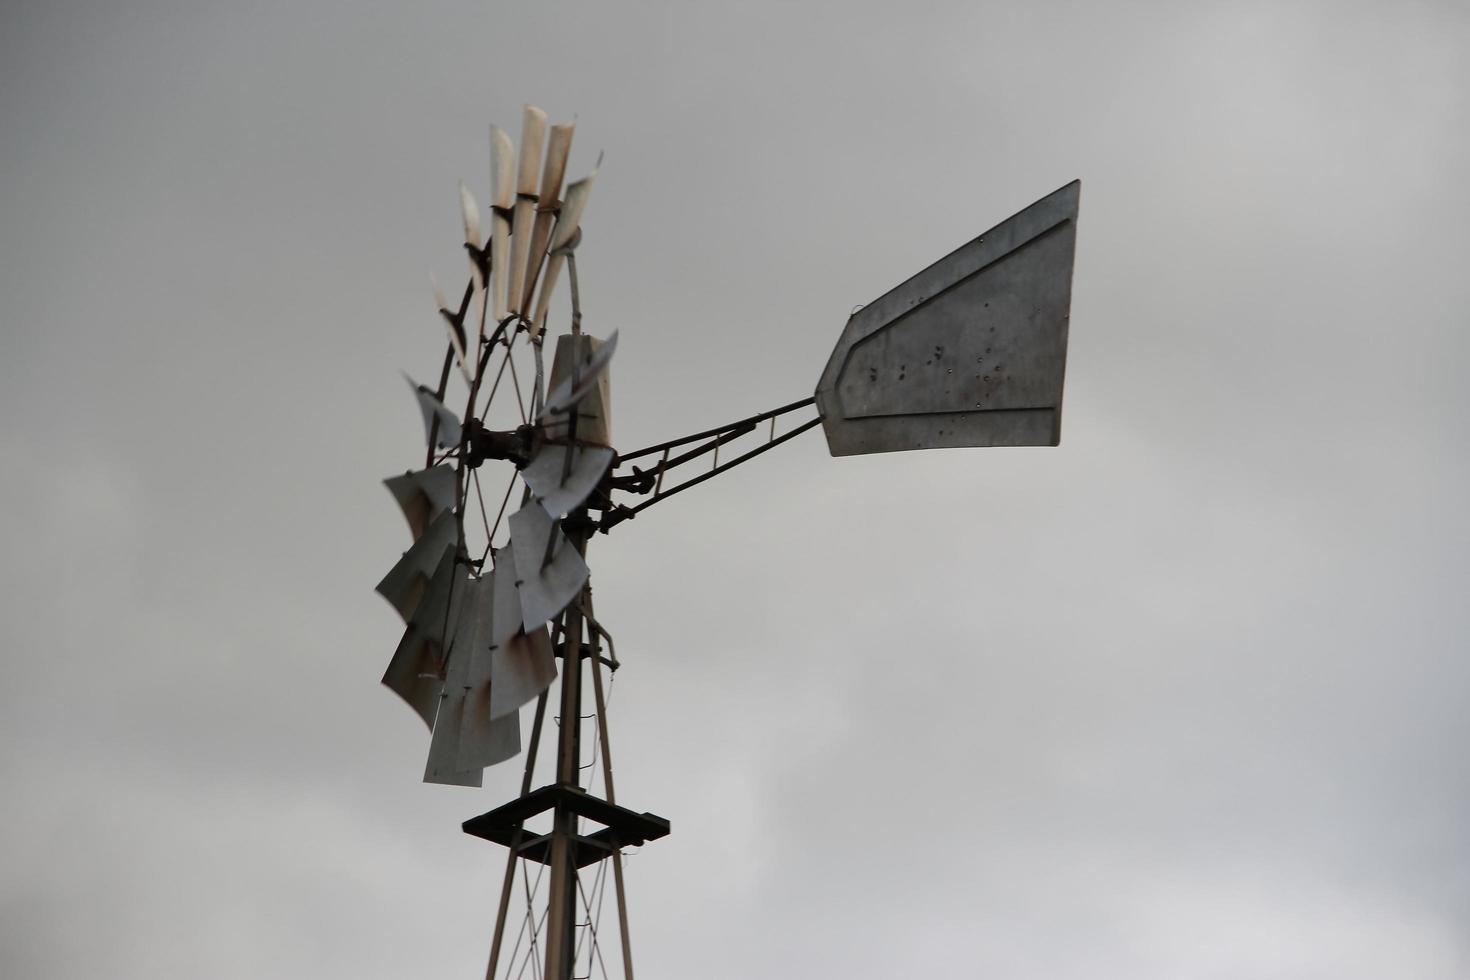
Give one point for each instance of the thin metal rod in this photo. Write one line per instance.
(561, 923)
(607, 781)
(623, 458)
(508, 885)
(434, 424)
(734, 432)
(725, 466)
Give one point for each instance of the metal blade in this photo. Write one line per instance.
(503, 198)
(449, 434)
(560, 485)
(505, 621)
(413, 674)
(471, 212)
(437, 613)
(406, 582)
(423, 495)
(551, 572)
(557, 150)
(579, 382)
(520, 669)
(415, 671)
(486, 741)
(567, 223)
(572, 209)
(512, 667)
(469, 614)
(969, 352)
(482, 736)
(533, 138)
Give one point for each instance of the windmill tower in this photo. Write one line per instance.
(498, 611)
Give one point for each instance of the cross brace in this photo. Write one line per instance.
(621, 826)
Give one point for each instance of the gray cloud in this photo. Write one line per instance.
(1183, 698)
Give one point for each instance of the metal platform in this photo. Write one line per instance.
(621, 827)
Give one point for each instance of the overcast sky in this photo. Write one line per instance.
(1183, 698)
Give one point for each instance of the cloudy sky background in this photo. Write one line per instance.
(1184, 698)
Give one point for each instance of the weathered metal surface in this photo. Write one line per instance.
(550, 571)
(522, 667)
(567, 223)
(579, 377)
(423, 495)
(406, 581)
(486, 737)
(559, 485)
(623, 827)
(504, 672)
(970, 352)
(443, 764)
(533, 141)
(448, 435)
(412, 674)
(415, 672)
(505, 622)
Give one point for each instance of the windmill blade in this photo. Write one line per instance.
(533, 137)
(423, 495)
(551, 572)
(414, 673)
(449, 434)
(503, 199)
(561, 477)
(570, 218)
(437, 614)
(408, 581)
(443, 765)
(969, 352)
(470, 209)
(559, 147)
(485, 740)
(506, 617)
(454, 328)
(490, 732)
(521, 669)
(568, 221)
(505, 674)
(579, 382)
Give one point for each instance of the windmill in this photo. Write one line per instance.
(969, 352)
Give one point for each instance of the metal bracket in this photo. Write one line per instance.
(622, 827)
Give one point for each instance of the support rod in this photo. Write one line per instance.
(616, 516)
(751, 422)
(561, 919)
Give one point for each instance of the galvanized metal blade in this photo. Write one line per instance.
(562, 477)
(502, 200)
(487, 735)
(413, 674)
(520, 669)
(969, 352)
(505, 621)
(510, 667)
(579, 383)
(551, 572)
(443, 764)
(405, 584)
(417, 667)
(448, 434)
(533, 139)
(567, 223)
(423, 495)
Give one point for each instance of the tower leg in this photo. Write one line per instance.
(551, 936)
